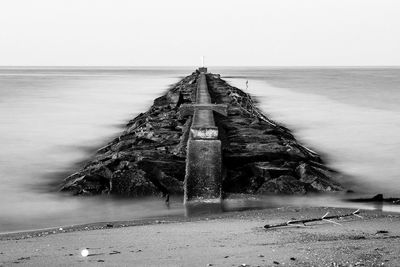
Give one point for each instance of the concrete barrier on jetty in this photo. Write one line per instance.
(202, 186)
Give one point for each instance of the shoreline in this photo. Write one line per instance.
(233, 238)
(240, 204)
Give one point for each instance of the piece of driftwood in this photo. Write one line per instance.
(323, 218)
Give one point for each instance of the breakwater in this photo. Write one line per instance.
(258, 156)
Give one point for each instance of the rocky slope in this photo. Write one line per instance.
(148, 158)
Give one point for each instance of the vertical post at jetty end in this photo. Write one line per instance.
(202, 188)
(202, 69)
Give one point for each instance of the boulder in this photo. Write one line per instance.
(320, 180)
(285, 184)
(133, 183)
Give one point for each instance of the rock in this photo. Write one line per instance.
(148, 158)
(378, 197)
(268, 169)
(305, 173)
(133, 183)
(87, 184)
(382, 232)
(284, 184)
(317, 178)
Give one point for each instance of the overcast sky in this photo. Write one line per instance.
(178, 32)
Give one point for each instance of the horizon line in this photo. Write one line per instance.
(210, 66)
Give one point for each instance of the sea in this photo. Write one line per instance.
(54, 118)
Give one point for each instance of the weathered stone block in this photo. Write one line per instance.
(203, 170)
(210, 132)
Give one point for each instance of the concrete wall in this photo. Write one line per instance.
(203, 170)
(203, 157)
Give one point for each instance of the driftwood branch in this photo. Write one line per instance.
(323, 218)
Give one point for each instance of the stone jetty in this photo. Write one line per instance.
(209, 139)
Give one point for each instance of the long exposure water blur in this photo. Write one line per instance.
(53, 119)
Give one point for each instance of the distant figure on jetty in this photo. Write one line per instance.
(247, 84)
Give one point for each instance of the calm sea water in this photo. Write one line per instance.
(53, 118)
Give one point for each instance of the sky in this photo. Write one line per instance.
(179, 32)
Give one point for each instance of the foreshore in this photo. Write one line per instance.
(227, 239)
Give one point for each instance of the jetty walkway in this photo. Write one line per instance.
(202, 185)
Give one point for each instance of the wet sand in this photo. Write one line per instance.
(229, 239)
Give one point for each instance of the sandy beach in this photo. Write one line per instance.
(228, 239)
